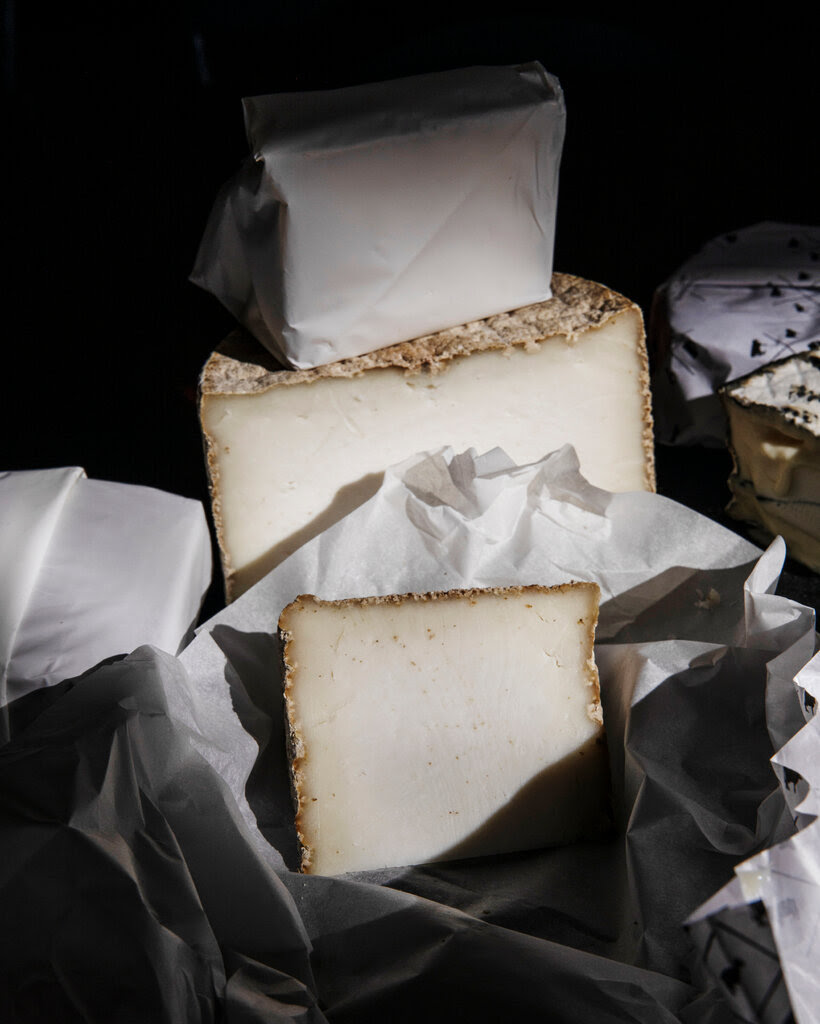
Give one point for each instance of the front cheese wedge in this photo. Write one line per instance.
(290, 452)
(427, 727)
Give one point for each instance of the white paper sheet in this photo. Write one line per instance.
(93, 569)
(31, 503)
(379, 213)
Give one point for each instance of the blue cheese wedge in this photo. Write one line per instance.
(290, 452)
(774, 436)
(427, 727)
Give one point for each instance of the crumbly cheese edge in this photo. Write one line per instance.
(241, 365)
(296, 750)
(770, 414)
(211, 449)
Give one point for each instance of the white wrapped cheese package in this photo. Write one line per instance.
(93, 569)
(747, 299)
(375, 214)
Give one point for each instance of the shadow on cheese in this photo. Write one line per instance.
(344, 501)
(568, 800)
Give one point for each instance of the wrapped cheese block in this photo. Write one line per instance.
(290, 452)
(748, 298)
(774, 437)
(435, 726)
(373, 214)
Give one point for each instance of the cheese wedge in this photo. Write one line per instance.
(428, 727)
(774, 437)
(290, 452)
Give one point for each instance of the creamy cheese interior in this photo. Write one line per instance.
(294, 459)
(431, 729)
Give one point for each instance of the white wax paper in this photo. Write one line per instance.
(746, 299)
(379, 213)
(93, 569)
(165, 781)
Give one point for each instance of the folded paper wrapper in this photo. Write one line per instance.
(745, 300)
(379, 213)
(92, 569)
(697, 658)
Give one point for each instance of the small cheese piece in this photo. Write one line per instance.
(290, 452)
(774, 436)
(430, 727)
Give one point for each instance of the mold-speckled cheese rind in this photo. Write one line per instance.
(774, 436)
(430, 727)
(290, 452)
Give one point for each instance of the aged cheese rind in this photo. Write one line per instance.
(774, 437)
(239, 366)
(291, 451)
(429, 727)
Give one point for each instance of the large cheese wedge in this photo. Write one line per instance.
(774, 436)
(290, 452)
(427, 727)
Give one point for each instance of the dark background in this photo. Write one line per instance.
(121, 121)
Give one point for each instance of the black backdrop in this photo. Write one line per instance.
(121, 121)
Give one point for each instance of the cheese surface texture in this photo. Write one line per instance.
(432, 727)
(774, 436)
(290, 452)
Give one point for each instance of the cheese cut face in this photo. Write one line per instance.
(774, 436)
(427, 727)
(290, 452)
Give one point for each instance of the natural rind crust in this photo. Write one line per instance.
(241, 366)
(296, 752)
(804, 422)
